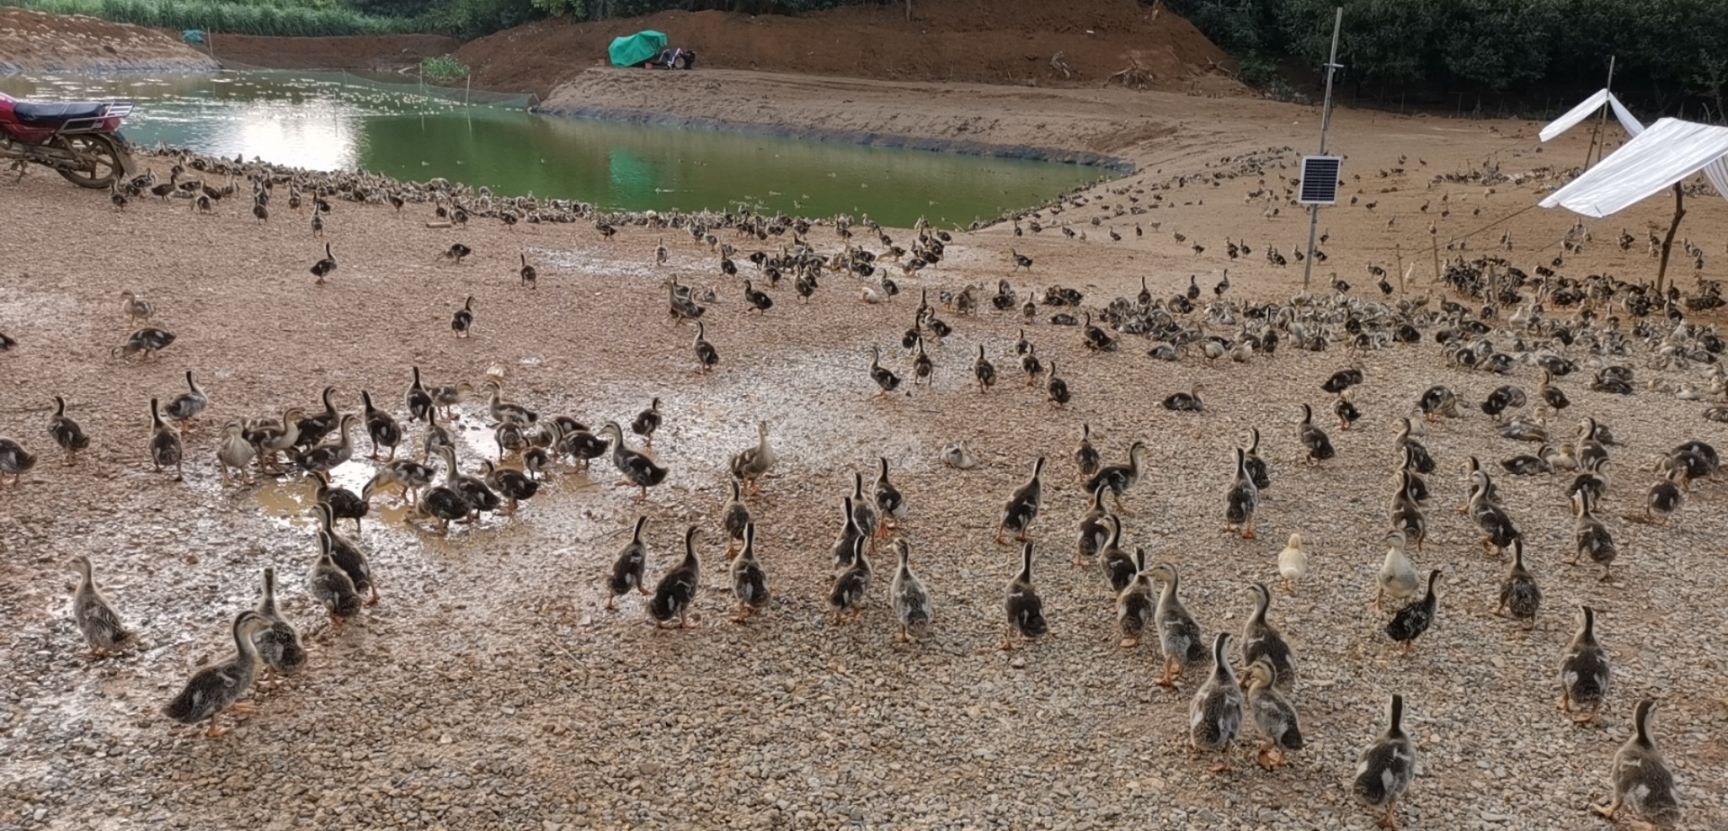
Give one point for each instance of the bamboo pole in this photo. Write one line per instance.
(1668, 241)
(1601, 118)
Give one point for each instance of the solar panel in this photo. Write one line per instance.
(1320, 180)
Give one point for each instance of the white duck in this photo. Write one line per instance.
(1398, 578)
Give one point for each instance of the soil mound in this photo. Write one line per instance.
(40, 42)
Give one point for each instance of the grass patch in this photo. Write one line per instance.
(277, 18)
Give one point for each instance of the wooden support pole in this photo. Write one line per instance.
(1398, 251)
(1668, 241)
(1434, 242)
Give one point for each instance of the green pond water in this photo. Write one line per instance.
(340, 121)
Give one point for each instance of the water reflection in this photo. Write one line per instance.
(327, 122)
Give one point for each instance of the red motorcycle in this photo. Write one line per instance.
(81, 140)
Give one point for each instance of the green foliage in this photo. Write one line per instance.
(443, 69)
(293, 18)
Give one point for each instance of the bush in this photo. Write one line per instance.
(443, 69)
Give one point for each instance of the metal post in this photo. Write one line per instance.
(1602, 118)
(1325, 122)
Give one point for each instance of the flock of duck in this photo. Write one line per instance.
(1612, 319)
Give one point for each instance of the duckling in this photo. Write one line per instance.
(733, 519)
(1273, 714)
(1406, 515)
(984, 371)
(751, 464)
(476, 493)
(707, 357)
(647, 422)
(462, 322)
(1664, 498)
(863, 513)
(136, 309)
(1420, 460)
(922, 366)
(278, 644)
(1215, 712)
(749, 582)
(1261, 641)
(849, 536)
(1119, 478)
(332, 584)
(1134, 604)
(1641, 778)
(146, 341)
(1292, 562)
(958, 457)
(1178, 635)
(1385, 768)
(1119, 568)
(889, 502)
(1030, 364)
(1520, 597)
(1342, 380)
(1313, 438)
(1591, 480)
(444, 502)
(66, 432)
(1590, 536)
(1414, 619)
(1241, 500)
(448, 396)
(1025, 608)
(885, 378)
(639, 471)
(530, 276)
(853, 582)
(346, 554)
(1497, 530)
(273, 437)
(419, 401)
(1585, 673)
(326, 457)
(343, 503)
(184, 407)
(1528, 465)
(1097, 339)
(1438, 401)
(1552, 395)
(1258, 471)
(1094, 530)
(910, 599)
(1022, 506)
(1524, 429)
(512, 484)
(677, 588)
(380, 426)
(165, 448)
(1397, 577)
(628, 569)
(1185, 402)
(104, 633)
(1086, 457)
(314, 428)
(234, 451)
(325, 267)
(215, 687)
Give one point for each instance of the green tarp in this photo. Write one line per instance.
(632, 50)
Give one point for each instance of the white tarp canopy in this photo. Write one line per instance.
(1588, 107)
(1667, 152)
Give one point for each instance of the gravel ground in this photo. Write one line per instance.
(490, 688)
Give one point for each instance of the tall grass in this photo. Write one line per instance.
(282, 18)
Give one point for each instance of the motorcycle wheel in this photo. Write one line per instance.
(102, 156)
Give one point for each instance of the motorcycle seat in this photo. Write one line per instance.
(56, 113)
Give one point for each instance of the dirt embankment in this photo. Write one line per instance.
(1022, 42)
(38, 42)
(370, 53)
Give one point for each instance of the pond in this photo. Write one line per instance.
(341, 121)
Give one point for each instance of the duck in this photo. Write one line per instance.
(1590, 479)
(1642, 781)
(1292, 562)
(512, 484)
(1261, 641)
(1241, 500)
(957, 456)
(1273, 714)
(1397, 577)
(1385, 768)
(846, 598)
(1497, 529)
(278, 643)
(707, 357)
(346, 554)
(1664, 498)
(271, 437)
(1437, 401)
(582, 445)
(846, 544)
(444, 502)
(1342, 380)
(134, 308)
(462, 322)
(476, 493)
(530, 276)
(647, 422)
(1520, 597)
(1415, 618)
(380, 426)
(1022, 507)
(1258, 471)
(146, 341)
(984, 371)
(676, 591)
(502, 411)
(1405, 442)
(1520, 428)
(1585, 674)
(628, 568)
(1135, 606)
(752, 463)
(215, 687)
(922, 366)
(1405, 514)
(1086, 457)
(911, 601)
(418, 399)
(1590, 537)
(234, 451)
(448, 396)
(886, 380)
(1119, 568)
(66, 432)
(1185, 402)
(1119, 478)
(1215, 712)
(1056, 389)
(1025, 608)
(1179, 636)
(863, 512)
(343, 503)
(325, 267)
(314, 428)
(890, 504)
(326, 457)
(1313, 438)
(1346, 411)
(104, 633)
(1526, 464)
(1094, 530)
(186, 406)
(1029, 363)
(639, 471)
(165, 447)
(749, 582)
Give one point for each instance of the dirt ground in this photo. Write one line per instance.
(490, 688)
(45, 43)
